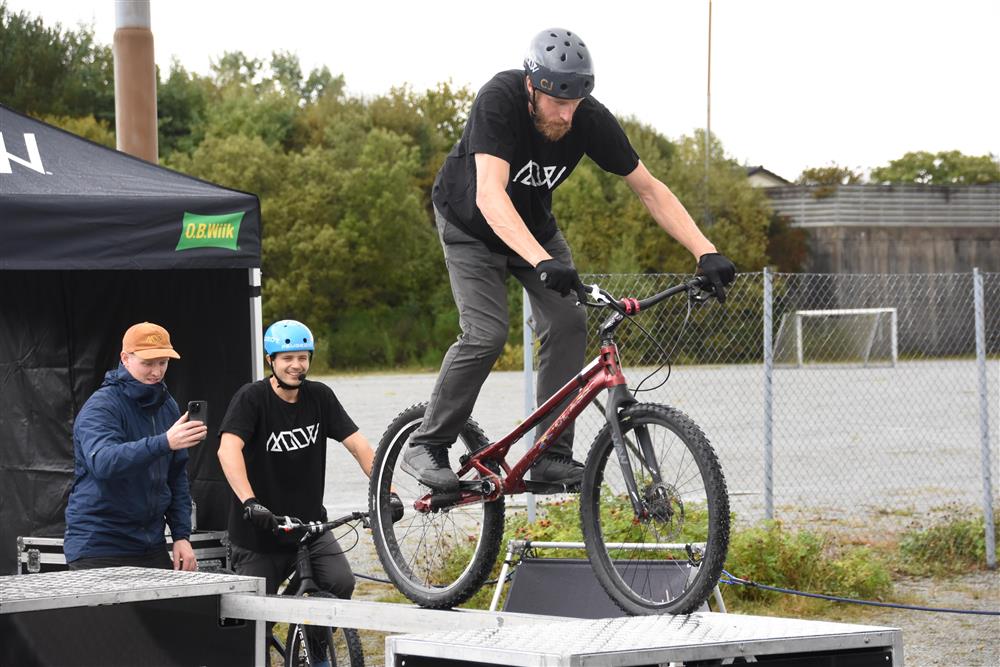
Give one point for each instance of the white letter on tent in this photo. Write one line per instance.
(34, 160)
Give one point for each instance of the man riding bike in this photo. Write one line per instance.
(527, 131)
(273, 453)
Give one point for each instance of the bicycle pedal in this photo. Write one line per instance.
(547, 488)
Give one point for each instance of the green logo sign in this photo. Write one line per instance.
(210, 231)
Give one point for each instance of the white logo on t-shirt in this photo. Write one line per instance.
(537, 175)
(288, 441)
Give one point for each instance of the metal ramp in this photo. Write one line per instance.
(96, 609)
(704, 638)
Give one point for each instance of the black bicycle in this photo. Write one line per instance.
(309, 644)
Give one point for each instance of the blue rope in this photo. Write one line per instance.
(731, 580)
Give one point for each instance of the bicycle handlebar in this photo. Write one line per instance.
(630, 306)
(291, 524)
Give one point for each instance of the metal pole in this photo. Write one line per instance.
(895, 338)
(798, 337)
(135, 81)
(708, 113)
(768, 399)
(528, 343)
(984, 420)
(256, 327)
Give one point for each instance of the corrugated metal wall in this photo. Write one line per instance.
(896, 228)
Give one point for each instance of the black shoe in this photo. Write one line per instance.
(557, 469)
(429, 465)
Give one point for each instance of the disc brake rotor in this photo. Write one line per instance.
(664, 507)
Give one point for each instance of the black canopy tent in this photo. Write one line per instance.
(92, 241)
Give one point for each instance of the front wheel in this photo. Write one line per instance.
(436, 558)
(669, 557)
(316, 645)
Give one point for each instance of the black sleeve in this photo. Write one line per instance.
(339, 423)
(607, 144)
(241, 415)
(490, 129)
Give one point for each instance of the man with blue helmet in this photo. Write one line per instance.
(273, 453)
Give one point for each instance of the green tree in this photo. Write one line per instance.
(611, 231)
(831, 175)
(54, 71)
(87, 127)
(943, 168)
(182, 102)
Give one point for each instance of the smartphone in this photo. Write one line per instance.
(198, 411)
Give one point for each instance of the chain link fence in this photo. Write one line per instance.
(870, 401)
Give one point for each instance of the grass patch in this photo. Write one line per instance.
(831, 562)
(954, 544)
(802, 560)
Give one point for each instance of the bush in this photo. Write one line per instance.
(804, 561)
(957, 543)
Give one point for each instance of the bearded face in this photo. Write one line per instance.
(553, 116)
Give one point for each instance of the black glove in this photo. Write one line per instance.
(395, 507)
(719, 271)
(258, 515)
(559, 277)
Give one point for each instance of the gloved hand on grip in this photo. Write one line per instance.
(258, 515)
(720, 272)
(395, 507)
(559, 277)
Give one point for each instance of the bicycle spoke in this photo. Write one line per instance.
(436, 558)
(642, 560)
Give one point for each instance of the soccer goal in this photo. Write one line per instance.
(846, 335)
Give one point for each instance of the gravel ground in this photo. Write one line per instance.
(946, 639)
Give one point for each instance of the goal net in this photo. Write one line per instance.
(866, 336)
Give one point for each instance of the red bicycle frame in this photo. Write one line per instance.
(604, 372)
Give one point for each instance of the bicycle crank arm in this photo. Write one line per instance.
(434, 502)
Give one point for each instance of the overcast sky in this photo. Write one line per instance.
(795, 83)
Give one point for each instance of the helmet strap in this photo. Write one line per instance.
(534, 105)
(285, 385)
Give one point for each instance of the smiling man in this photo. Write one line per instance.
(273, 452)
(130, 447)
(527, 131)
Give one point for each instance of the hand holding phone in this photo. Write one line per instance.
(198, 411)
(189, 432)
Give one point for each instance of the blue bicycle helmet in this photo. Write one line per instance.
(288, 336)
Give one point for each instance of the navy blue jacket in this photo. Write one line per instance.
(128, 482)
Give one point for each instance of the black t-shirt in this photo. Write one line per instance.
(285, 453)
(500, 125)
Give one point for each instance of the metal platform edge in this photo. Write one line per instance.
(174, 584)
(490, 649)
(367, 615)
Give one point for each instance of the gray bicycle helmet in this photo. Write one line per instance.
(559, 64)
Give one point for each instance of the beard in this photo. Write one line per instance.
(553, 129)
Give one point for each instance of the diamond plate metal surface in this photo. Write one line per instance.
(54, 590)
(707, 634)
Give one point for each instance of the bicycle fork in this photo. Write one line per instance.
(619, 398)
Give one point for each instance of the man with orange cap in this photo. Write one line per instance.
(130, 447)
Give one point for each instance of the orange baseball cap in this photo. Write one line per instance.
(148, 341)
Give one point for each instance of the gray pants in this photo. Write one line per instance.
(478, 283)
(331, 569)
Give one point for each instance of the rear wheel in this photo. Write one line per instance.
(312, 645)
(436, 558)
(668, 559)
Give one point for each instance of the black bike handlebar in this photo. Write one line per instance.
(291, 524)
(629, 306)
